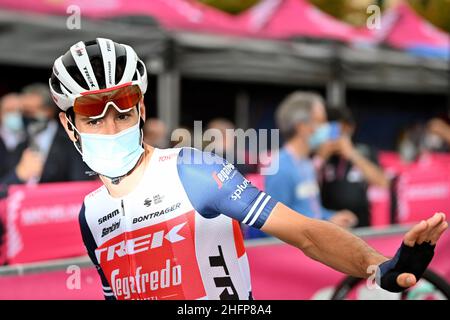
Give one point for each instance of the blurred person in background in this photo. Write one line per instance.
(228, 148)
(347, 170)
(155, 133)
(12, 131)
(438, 138)
(299, 118)
(420, 139)
(45, 155)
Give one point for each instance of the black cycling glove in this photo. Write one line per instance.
(413, 260)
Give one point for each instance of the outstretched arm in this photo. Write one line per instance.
(215, 187)
(338, 248)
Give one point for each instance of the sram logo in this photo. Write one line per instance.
(140, 244)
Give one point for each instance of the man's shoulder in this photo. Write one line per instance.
(95, 196)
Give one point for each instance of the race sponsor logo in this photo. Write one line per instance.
(79, 51)
(88, 76)
(154, 262)
(108, 216)
(147, 202)
(140, 244)
(146, 282)
(224, 281)
(54, 98)
(113, 227)
(110, 72)
(240, 188)
(167, 157)
(225, 174)
(156, 213)
(157, 199)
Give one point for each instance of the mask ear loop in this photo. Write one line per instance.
(141, 124)
(77, 143)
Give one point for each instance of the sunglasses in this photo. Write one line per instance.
(94, 103)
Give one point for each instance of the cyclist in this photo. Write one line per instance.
(165, 224)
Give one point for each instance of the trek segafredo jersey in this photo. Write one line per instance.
(177, 234)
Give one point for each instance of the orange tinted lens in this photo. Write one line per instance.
(90, 105)
(128, 97)
(94, 104)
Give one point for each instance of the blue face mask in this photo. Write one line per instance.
(326, 132)
(13, 122)
(112, 155)
(319, 136)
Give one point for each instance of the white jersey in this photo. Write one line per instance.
(177, 234)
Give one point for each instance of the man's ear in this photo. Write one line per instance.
(65, 124)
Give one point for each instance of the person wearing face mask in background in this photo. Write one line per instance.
(155, 133)
(347, 170)
(438, 135)
(45, 155)
(300, 118)
(12, 131)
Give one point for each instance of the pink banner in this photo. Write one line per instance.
(278, 272)
(423, 188)
(2, 232)
(42, 221)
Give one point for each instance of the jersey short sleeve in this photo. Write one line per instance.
(215, 187)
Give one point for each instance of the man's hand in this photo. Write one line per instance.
(413, 257)
(439, 127)
(326, 150)
(344, 219)
(345, 147)
(30, 165)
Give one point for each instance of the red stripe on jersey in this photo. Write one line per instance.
(238, 239)
(154, 262)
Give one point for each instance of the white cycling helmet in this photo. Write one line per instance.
(94, 65)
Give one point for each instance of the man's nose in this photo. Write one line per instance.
(111, 126)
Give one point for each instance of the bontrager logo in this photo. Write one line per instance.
(225, 174)
(140, 244)
(157, 213)
(240, 189)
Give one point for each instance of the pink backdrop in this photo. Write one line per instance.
(42, 221)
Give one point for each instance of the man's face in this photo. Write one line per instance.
(155, 133)
(9, 104)
(112, 123)
(318, 115)
(33, 106)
